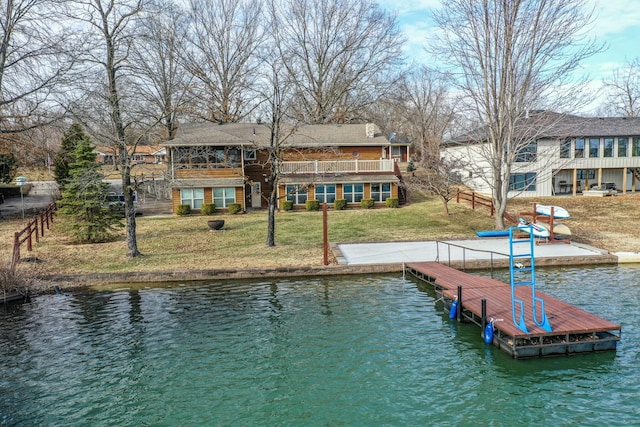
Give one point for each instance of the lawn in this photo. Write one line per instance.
(178, 243)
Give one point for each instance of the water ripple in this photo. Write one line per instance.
(319, 351)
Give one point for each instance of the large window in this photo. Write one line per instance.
(297, 194)
(579, 150)
(223, 197)
(326, 193)
(635, 147)
(205, 157)
(380, 192)
(522, 181)
(586, 174)
(623, 147)
(594, 147)
(565, 149)
(528, 152)
(193, 197)
(608, 148)
(353, 193)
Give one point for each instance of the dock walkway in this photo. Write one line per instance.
(574, 330)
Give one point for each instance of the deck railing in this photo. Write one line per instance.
(337, 166)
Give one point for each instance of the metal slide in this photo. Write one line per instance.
(522, 273)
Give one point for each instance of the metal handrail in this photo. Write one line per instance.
(464, 253)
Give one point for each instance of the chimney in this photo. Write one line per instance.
(369, 128)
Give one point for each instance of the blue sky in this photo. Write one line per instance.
(616, 23)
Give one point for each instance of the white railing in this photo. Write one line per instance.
(336, 166)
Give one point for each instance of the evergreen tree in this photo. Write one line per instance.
(8, 167)
(65, 155)
(85, 205)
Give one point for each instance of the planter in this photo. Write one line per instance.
(216, 224)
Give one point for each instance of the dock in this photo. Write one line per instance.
(480, 299)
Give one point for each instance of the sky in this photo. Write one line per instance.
(616, 23)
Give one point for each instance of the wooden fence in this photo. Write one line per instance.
(479, 200)
(34, 227)
(476, 199)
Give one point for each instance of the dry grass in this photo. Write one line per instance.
(178, 243)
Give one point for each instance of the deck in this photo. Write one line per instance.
(574, 330)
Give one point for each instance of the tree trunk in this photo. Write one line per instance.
(130, 213)
(271, 228)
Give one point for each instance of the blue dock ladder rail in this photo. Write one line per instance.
(523, 274)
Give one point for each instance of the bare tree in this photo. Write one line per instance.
(439, 176)
(429, 113)
(35, 59)
(110, 34)
(342, 56)
(225, 36)
(509, 58)
(623, 90)
(160, 80)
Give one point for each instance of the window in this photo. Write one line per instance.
(353, 193)
(579, 150)
(222, 197)
(522, 181)
(565, 149)
(594, 147)
(250, 154)
(193, 197)
(623, 147)
(635, 147)
(396, 151)
(297, 194)
(326, 193)
(528, 152)
(380, 192)
(586, 174)
(608, 148)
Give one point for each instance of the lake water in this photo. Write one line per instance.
(329, 351)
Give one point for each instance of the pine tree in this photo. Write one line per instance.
(85, 206)
(65, 155)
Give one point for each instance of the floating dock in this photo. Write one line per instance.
(574, 330)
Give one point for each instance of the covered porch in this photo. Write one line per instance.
(573, 181)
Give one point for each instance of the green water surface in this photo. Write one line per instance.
(335, 351)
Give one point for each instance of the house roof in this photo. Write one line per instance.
(547, 124)
(258, 134)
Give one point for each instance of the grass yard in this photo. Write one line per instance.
(171, 243)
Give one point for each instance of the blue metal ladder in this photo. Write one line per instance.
(523, 274)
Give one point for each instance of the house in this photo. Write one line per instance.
(141, 154)
(569, 154)
(228, 163)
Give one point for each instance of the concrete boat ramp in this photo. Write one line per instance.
(478, 253)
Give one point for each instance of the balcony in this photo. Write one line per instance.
(315, 167)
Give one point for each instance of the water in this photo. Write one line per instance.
(323, 351)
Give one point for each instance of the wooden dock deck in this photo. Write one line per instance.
(574, 330)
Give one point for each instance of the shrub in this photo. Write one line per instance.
(234, 208)
(367, 203)
(208, 208)
(287, 205)
(340, 204)
(312, 205)
(392, 202)
(411, 166)
(183, 210)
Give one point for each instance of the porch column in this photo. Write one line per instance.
(624, 180)
(575, 181)
(599, 176)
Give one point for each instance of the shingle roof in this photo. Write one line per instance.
(556, 125)
(259, 134)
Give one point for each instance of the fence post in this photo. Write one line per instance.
(473, 200)
(15, 256)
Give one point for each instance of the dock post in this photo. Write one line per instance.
(459, 311)
(483, 303)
